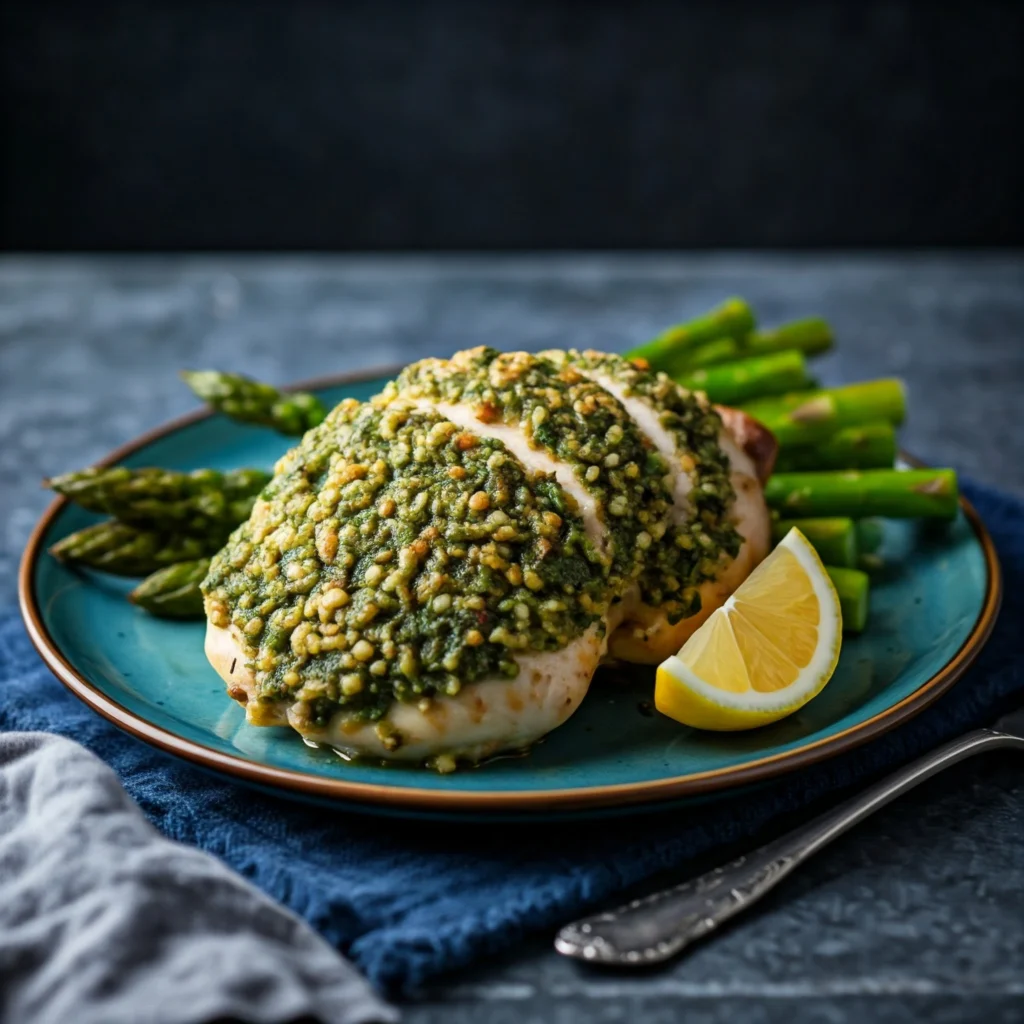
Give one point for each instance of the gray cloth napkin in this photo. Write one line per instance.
(103, 920)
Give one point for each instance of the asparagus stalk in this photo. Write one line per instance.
(734, 383)
(164, 499)
(124, 550)
(870, 534)
(250, 401)
(853, 588)
(911, 493)
(806, 417)
(810, 336)
(173, 592)
(834, 539)
(668, 351)
(884, 398)
(721, 350)
(870, 446)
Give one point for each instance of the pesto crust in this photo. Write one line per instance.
(567, 415)
(693, 551)
(396, 557)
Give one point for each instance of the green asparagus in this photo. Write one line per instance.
(250, 401)
(810, 336)
(807, 336)
(721, 350)
(164, 499)
(870, 534)
(124, 550)
(853, 588)
(669, 350)
(834, 539)
(911, 493)
(806, 417)
(173, 592)
(883, 399)
(733, 383)
(870, 446)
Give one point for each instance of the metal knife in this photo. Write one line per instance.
(657, 927)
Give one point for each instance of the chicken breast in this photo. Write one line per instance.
(436, 575)
(487, 717)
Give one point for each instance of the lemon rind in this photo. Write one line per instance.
(816, 674)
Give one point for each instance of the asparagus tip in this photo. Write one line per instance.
(205, 383)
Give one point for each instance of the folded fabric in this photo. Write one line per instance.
(408, 899)
(104, 921)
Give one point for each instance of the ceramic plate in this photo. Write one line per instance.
(931, 612)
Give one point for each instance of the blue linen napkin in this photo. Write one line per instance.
(407, 900)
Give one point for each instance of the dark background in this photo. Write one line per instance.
(443, 125)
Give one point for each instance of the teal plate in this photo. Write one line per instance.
(931, 612)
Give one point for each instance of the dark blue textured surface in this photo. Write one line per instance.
(409, 900)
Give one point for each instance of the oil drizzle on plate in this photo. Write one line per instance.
(358, 759)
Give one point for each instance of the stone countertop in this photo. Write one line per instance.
(917, 914)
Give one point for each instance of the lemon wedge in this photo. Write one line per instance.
(765, 653)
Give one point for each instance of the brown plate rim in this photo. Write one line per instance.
(531, 801)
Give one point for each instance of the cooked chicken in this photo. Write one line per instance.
(436, 574)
